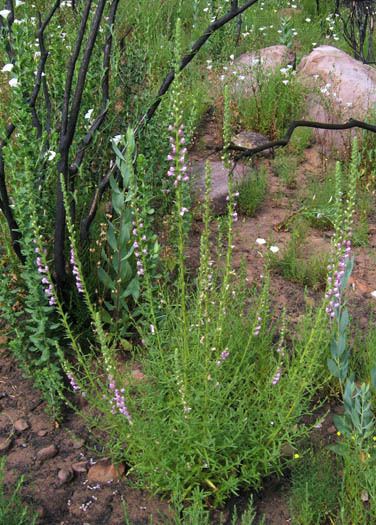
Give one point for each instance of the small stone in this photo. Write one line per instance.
(79, 467)
(364, 496)
(42, 433)
(5, 444)
(104, 471)
(65, 475)
(332, 430)
(21, 424)
(47, 452)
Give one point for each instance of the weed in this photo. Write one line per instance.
(252, 191)
(315, 488)
(12, 509)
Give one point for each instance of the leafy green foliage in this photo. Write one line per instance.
(13, 510)
(315, 488)
(252, 192)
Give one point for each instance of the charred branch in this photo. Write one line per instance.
(5, 205)
(284, 141)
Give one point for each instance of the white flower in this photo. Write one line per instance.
(373, 294)
(274, 249)
(51, 154)
(307, 19)
(285, 82)
(7, 68)
(5, 13)
(89, 113)
(260, 241)
(13, 82)
(116, 139)
(19, 2)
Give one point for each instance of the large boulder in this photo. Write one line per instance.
(270, 58)
(345, 88)
(247, 67)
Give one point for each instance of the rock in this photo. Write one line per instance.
(5, 444)
(104, 471)
(219, 189)
(364, 496)
(79, 467)
(348, 89)
(3, 341)
(332, 429)
(65, 475)
(251, 139)
(246, 68)
(47, 452)
(270, 58)
(21, 424)
(42, 433)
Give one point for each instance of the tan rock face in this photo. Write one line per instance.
(104, 471)
(247, 67)
(271, 58)
(345, 88)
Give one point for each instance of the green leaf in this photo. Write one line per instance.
(341, 424)
(133, 288)
(338, 449)
(333, 368)
(344, 321)
(118, 202)
(111, 237)
(105, 279)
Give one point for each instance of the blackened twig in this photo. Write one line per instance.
(351, 123)
(105, 93)
(5, 205)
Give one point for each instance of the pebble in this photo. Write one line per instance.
(332, 430)
(21, 424)
(65, 475)
(47, 452)
(104, 471)
(42, 433)
(79, 467)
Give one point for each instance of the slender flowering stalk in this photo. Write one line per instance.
(336, 278)
(74, 385)
(224, 355)
(44, 271)
(118, 400)
(76, 272)
(277, 376)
